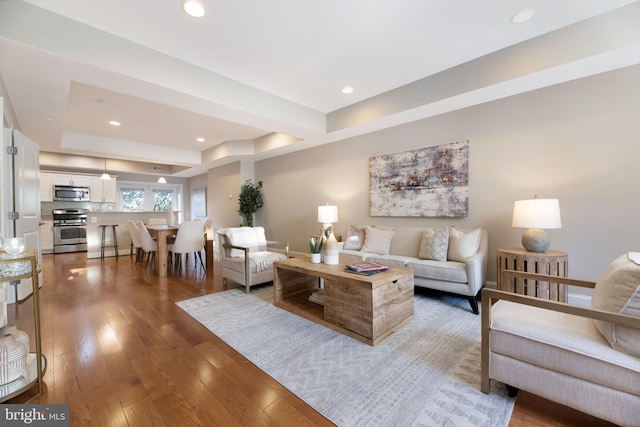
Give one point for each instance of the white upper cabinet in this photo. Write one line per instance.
(68, 179)
(46, 187)
(100, 190)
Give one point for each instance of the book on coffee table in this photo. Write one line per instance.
(367, 267)
(363, 273)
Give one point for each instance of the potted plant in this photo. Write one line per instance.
(315, 245)
(250, 200)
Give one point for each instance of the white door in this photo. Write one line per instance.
(24, 188)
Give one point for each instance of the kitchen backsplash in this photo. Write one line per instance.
(47, 207)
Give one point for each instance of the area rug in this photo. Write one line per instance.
(425, 374)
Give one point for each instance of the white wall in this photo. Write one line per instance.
(222, 195)
(577, 141)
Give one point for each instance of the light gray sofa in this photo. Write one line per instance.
(584, 358)
(461, 268)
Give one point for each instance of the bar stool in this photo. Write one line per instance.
(103, 242)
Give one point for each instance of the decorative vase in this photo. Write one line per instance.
(331, 253)
(316, 258)
(14, 348)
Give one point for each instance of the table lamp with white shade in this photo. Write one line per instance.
(327, 215)
(536, 215)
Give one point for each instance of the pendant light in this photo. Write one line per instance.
(161, 180)
(105, 175)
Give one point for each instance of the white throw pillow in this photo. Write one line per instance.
(618, 290)
(355, 238)
(377, 241)
(461, 245)
(435, 244)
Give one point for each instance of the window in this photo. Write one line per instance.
(147, 196)
(132, 199)
(163, 200)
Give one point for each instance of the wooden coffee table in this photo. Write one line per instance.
(367, 308)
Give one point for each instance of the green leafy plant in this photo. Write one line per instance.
(250, 201)
(315, 244)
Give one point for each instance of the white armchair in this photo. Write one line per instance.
(245, 257)
(584, 358)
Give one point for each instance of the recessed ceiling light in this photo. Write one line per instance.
(523, 16)
(347, 90)
(114, 123)
(193, 8)
(200, 139)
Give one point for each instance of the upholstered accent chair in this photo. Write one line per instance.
(245, 256)
(584, 358)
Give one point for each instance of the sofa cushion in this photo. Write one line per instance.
(562, 343)
(253, 237)
(398, 260)
(355, 238)
(354, 254)
(406, 241)
(618, 290)
(377, 241)
(463, 245)
(448, 271)
(434, 244)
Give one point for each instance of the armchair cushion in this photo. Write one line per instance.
(563, 343)
(618, 290)
(246, 236)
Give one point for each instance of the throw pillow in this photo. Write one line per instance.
(461, 245)
(355, 238)
(618, 290)
(377, 241)
(434, 244)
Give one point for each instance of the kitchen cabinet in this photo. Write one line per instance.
(68, 179)
(100, 190)
(103, 190)
(46, 187)
(46, 237)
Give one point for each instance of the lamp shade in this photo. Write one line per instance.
(327, 214)
(105, 175)
(536, 213)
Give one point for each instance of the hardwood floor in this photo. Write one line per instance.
(121, 353)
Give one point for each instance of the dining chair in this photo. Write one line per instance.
(190, 239)
(136, 240)
(149, 245)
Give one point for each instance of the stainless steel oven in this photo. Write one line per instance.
(69, 230)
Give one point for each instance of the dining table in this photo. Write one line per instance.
(161, 233)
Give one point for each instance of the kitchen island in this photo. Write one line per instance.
(96, 218)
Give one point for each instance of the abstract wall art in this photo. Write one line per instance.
(427, 182)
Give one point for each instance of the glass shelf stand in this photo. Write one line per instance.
(16, 267)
